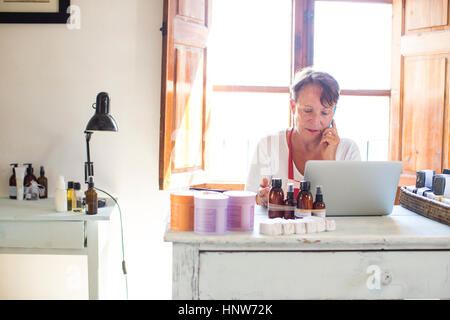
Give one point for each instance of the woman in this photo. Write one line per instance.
(313, 137)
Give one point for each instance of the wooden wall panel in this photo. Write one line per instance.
(188, 109)
(423, 113)
(192, 9)
(422, 14)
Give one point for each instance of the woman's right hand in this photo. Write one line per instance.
(262, 197)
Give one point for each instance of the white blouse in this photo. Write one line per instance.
(271, 159)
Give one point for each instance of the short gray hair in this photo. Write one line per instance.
(329, 85)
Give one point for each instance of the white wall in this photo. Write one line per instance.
(49, 77)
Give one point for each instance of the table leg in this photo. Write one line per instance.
(93, 259)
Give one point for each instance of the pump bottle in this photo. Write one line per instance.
(12, 183)
(28, 178)
(42, 180)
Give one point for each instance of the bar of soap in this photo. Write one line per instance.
(320, 223)
(271, 227)
(330, 224)
(300, 226)
(311, 225)
(288, 226)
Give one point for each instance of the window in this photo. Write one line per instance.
(352, 41)
(227, 66)
(249, 69)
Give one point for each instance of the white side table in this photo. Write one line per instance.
(399, 256)
(33, 227)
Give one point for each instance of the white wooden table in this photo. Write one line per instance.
(33, 227)
(399, 256)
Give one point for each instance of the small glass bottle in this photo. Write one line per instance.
(42, 180)
(276, 199)
(319, 205)
(12, 183)
(70, 196)
(305, 200)
(91, 198)
(289, 213)
(79, 198)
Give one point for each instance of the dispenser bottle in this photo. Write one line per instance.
(28, 178)
(42, 180)
(290, 203)
(319, 209)
(70, 196)
(60, 195)
(12, 183)
(91, 198)
(305, 200)
(276, 199)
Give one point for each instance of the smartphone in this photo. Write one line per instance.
(334, 111)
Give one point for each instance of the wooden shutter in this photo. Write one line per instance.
(419, 124)
(184, 114)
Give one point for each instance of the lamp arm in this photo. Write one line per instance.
(88, 166)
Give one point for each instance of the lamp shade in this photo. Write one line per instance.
(101, 120)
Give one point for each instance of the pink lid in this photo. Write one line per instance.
(241, 197)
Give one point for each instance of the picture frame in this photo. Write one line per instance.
(34, 11)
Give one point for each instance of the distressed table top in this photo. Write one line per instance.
(401, 230)
(44, 210)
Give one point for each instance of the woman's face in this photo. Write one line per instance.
(310, 116)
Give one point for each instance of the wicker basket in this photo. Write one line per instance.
(431, 209)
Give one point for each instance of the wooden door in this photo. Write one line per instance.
(419, 124)
(183, 122)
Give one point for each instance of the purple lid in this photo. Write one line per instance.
(241, 197)
(210, 199)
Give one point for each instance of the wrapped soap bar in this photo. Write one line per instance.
(320, 223)
(271, 227)
(424, 178)
(330, 224)
(300, 226)
(311, 225)
(441, 185)
(288, 226)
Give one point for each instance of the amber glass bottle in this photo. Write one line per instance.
(12, 183)
(276, 199)
(319, 205)
(91, 198)
(42, 180)
(305, 200)
(289, 213)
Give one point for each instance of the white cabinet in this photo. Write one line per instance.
(330, 275)
(42, 234)
(399, 256)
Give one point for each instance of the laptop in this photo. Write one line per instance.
(355, 188)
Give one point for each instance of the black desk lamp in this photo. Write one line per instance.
(100, 121)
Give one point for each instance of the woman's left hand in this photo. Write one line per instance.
(329, 143)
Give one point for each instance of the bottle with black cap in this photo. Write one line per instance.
(276, 199)
(305, 200)
(70, 196)
(290, 203)
(79, 198)
(28, 179)
(319, 206)
(12, 182)
(91, 197)
(42, 180)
